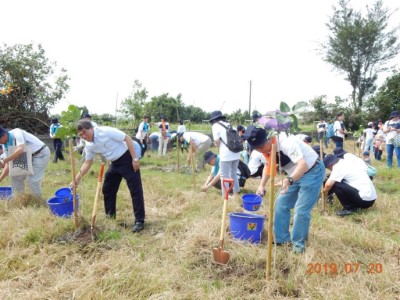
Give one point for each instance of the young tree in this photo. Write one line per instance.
(360, 46)
(134, 103)
(386, 99)
(30, 87)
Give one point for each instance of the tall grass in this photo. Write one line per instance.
(172, 257)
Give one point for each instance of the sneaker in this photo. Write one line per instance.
(346, 212)
(138, 227)
(298, 250)
(329, 199)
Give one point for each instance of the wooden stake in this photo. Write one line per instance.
(71, 154)
(177, 156)
(271, 209)
(321, 150)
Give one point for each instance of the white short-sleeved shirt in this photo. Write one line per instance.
(108, 141)
(336, 126)
(142, 130)
(22, 137)
(219, 132)
(295, 149)
(195, 137)
(256, 160)
(391, 134)
(321, 126)
(348, 172)
(181, 128)
(369, 133)
(355, 160)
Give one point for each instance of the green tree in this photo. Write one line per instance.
(134, 103)
(31, 85)
(360, 47)
(386, 99)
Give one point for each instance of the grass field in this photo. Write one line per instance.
(42, 256)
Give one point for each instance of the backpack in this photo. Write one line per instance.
(330, 132)
(234, 141)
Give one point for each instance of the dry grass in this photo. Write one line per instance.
(41, 257)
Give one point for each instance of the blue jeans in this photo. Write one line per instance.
(228, 169)
(390, 149)
(302, 196)
(339, 144)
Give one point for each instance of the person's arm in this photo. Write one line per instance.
(212, 183)
(301, 168)
(208, 182)
(83, 170)
(4, 173)
(192, 151)
(328, 185)
(263, 182)
(131, 148)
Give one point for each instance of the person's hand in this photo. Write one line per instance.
(285, 185)
(135, 165)
(71, 184)
(2, 164)
(260, 191)
(204, 188)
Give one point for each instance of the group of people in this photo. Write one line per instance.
(299, 189)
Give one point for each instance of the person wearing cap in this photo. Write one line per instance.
(351, 158)
(165, 135)
(40, 159)
(214, 179)
(256, 117)
(57, 142)
(392, 131)
(229, 160)
(340, 130)
(198, 142)
(350, 183)
(118, 148)
(367, 159)
(299, 190)
(322, 126)
(142, 134)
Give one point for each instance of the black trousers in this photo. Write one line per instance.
(143, 146)
(122, 168)
(349, 197)
(57, 144)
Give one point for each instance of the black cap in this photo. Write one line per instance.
(339, 152)
(86, 115)
(255, 136)
(215, 115)
(394, 114)
(208, 156)
(54, 121)
(308, 139)
(163, 117)
(2, 131)
(330, 159)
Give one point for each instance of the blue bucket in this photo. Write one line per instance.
(5, 192)
(247, 227)
(62, 208)
(251, 202)
(64, 193)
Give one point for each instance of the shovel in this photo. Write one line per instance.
(73, 183)
(220, 255)
(96, 198)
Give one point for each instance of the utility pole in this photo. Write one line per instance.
(250, 102)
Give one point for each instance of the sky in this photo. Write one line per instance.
(207, 50)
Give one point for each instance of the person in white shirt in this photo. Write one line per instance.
(299, 190)
(369, 137)
(229, 160)
(256, 163)
(199, 143)
(340, 130)
(40, 159)
(392, 131)
(350, 183)
(118, 148)
(165, 135)
(181, 127)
